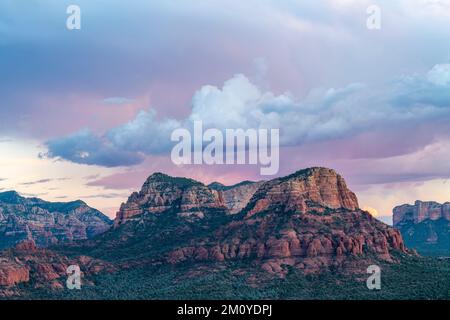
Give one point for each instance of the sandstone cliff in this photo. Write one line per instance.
(425, 226)
(42, 268)
(303, 191)
(309, 220)
(47, 223)
(162, 193)
(421, 211)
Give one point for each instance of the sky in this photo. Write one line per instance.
(87, 114)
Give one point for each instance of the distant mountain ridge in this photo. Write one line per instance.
(47, 223)
(425, 226)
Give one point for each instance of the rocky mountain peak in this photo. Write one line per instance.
(313, 188)
(309, 220)
(158, 176)
(162, 178)
(162, 192)
(310, 189)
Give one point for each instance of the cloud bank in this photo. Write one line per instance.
(322, 115)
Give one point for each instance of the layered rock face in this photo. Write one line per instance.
(306, 190)
(421, 211)
(43, 268)
(237, 196)
(312, 248)
(162, 193)
(309, 220)
(425, 226)
(47, 223)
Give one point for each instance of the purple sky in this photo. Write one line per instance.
(98, 104)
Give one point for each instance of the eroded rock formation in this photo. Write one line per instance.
(309, 219)
(162, 193)
(47, 223)
(425, 226)
(42, 267)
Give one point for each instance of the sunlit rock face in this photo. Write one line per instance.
(303, 191)
(162, 193)
(309, 220)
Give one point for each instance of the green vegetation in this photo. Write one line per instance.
(220, 187)
(414, 278)
(150, 237)
(418, 236)
(180, 182)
